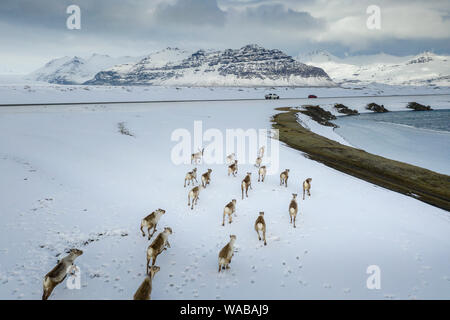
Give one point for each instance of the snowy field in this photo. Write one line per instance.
(16, 90)
(70, 179)
(425, 148)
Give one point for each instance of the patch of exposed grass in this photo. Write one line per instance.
(422, 184)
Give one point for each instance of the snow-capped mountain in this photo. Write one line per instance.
(424, 69)
(250, 65)
(76, 70)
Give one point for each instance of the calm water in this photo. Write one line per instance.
(434, 120)
(421, 138)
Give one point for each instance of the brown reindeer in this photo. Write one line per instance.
(158, 245)
(260, 226)
(59, 272)
(246, 183)
(226, 254)
(190, 177)
(197, 157)
(307, 187)
(261, 152)
(233, 168)
(230, 158)
(193, 194)
(284, 176)
(262, 173)
(151, 221)
(229, 209)
(258, 162)
(293, 208)
(206, 178)
(145, 289)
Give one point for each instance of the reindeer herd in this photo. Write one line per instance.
(161, 242)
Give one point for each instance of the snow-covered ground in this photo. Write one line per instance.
(69, 177)
(428, 149)
(17, 90)
(426, 68)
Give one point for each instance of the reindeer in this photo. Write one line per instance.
(193, 194)
(145, 289)
(246, 183)
(262, 173)
(206, 178)
(151, 221)
(307, 187)
(284, 177)
(197, 156)
(229, 209)
(190, 177)
(258, 162)
(158, 245)
(293, 208)
(261, 152)
(226, 254)
(230, 158)
(59, 272)
(233, 169)
(260, 225)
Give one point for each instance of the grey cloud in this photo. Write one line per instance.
(190, 12)
(279, 16)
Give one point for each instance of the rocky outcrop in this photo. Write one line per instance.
(376, 107)
(250, 65)
(418, 107)
(319, 115)
(344, 109)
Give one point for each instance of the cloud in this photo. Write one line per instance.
(190, 12)
(278, 16)
(137, 27)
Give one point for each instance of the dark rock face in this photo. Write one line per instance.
(418, 107)
(251, 62)
(319, 115)
(345, 110)
(376, 107)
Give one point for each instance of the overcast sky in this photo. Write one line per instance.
(34, 31)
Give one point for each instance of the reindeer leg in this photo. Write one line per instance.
(264, 237)
(142, 230)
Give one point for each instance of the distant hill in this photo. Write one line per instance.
(423, 69)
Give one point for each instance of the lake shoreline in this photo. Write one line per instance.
(422, 184)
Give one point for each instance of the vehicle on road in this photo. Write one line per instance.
(312, 96)
(271, 96)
